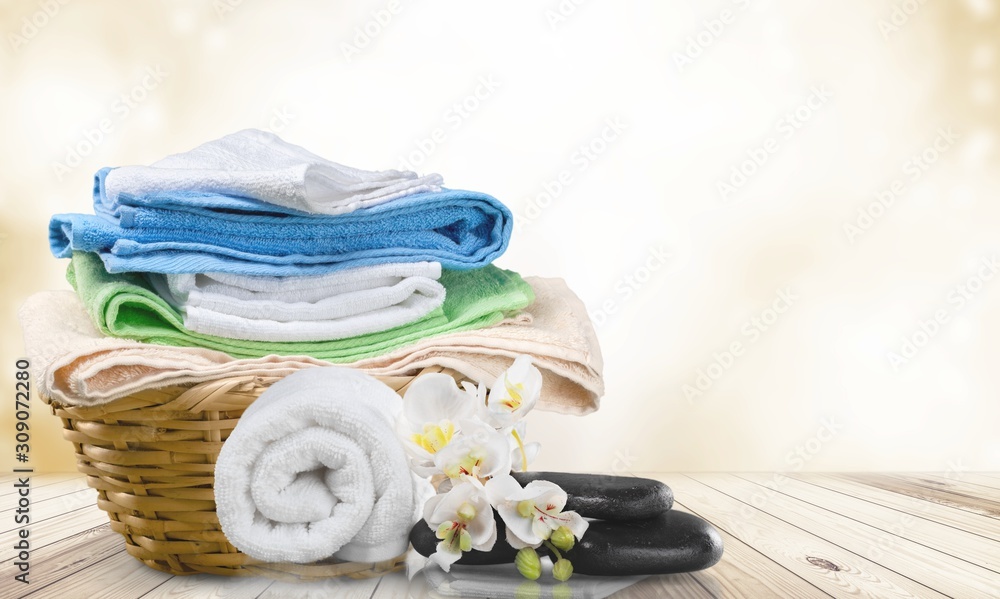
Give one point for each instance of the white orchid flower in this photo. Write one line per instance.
(463, 519)
(432, 407)
(533, 512)
(480, 452)
(513, 395)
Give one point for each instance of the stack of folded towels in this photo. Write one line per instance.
(249, 255)
(291, 255)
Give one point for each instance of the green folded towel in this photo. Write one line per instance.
(124, 305)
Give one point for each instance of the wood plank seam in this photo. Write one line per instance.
(753, 549)
(904, 517)
(807, 532)
(936, 512)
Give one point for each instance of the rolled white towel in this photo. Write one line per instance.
(313, 469)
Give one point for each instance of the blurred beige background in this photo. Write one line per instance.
(721, 165)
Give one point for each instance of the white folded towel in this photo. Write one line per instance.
(314, 470)
(338, 305)
(260, 165)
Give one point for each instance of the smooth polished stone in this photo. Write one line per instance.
(669, 543)
(607, 497)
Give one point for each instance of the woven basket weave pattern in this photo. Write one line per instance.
(151, 456)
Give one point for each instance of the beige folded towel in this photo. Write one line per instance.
(75, 365)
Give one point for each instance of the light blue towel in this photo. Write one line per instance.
(185, 232)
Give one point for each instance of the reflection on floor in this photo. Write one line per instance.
(786, 535)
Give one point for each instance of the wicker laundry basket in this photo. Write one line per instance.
(151, 456)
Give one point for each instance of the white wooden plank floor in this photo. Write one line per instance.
(794, 535)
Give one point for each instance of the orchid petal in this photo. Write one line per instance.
(514, 393)
(518, 527)
(436, 511)
(500, 488)
(541, 528)
(434, 397)
(550, 497)
(516, 542)
(577, 524)
(445, 558)
(483, 530)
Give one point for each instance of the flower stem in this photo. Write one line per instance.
(553, 549)
(524, 454)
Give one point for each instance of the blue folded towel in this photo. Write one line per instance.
(185, 232)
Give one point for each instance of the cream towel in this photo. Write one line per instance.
(338, 305)
(74, 364)
(555, 331)
(314, 470)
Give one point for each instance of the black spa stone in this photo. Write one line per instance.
(669, 543)
(607, 497)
